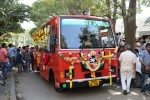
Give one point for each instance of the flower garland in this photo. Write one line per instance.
(69, 59)
(91, 60)
(111, 55)
(70, 74)
(71, 67)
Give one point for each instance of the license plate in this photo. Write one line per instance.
(94, 83)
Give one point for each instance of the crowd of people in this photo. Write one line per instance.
(21, 58)
(127, 59)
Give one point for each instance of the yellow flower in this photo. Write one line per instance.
(70, 53)
(70, 59)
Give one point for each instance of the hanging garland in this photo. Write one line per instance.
(71, 67)
(111, 55)
(91, 60)
(69, 59)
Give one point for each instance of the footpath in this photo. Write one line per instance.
(8, 92)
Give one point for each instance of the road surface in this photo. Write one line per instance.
(31, 86)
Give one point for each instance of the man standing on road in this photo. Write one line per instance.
(144, 57)
(32, 57)
(27, 59)
(35, 55)
(11, 51)
(128, 68)
(4, 59)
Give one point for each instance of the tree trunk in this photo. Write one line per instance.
(108, 8)
(130, 24)
(114, 13)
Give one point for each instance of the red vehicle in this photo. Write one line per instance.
(79, 51)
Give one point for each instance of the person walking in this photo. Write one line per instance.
(35, 55)
(11, 52)
(32, 57)
(23, 56)
(18, 60)
(128, 68)
(144, 57)
(120, 50)
(4, 60)
(27, 59)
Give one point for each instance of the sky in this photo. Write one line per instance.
(140, 19)
(28, 2)
(144, 12)
(30, 24)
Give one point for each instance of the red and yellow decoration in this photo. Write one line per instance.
(91, 60)
(41, 33)
(69, 59)
(110, 76)
(71, 67)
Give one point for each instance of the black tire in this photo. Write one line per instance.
(51, 76)
(137, 80)
(52, 80)
(59, 90)
(38, 69)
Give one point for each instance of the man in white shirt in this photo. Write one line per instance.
(128, 68)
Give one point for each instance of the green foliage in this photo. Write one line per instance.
(12, 14)
(145, 2)
(32, 30)
(43, 10)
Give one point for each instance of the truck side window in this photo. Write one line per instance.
(52, 42)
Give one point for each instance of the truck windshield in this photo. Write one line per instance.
(77, 33)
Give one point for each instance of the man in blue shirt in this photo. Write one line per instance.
(11, 52)
(144, 57)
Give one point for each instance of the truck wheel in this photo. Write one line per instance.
(52, 80)
(38, 69)
(59, 90)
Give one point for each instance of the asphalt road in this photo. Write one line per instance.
(5, 90)
(31, 86)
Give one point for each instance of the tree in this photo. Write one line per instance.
(129, 19)
(12, 15)
(43, 10)
(32, 30)
(128, 13)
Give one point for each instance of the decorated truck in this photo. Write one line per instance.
(78, 50)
